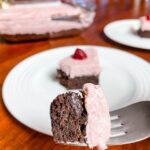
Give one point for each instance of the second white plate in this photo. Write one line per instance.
(125, 32)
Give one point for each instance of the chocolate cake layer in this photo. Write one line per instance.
(34, 37)
(69, 118)
(24, 37)
(144, 33)
(77, 82)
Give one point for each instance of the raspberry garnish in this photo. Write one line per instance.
(148, 17)
(79, 54)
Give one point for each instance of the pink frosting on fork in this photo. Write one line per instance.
(145, 24)
(98, 126)
(86, 67)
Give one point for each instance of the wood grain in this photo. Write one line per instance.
(14, 135)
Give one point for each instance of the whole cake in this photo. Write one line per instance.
(144, 30)
(81, 118)
(42, 21)
(82, 67)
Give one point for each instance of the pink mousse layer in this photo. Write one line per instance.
(98, 126)
(86, 67)
(145, 24)
(23, 19)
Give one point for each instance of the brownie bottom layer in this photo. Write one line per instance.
(25, 37)
(77, 82)
(34, 37)
(144, 33)
(69, 118)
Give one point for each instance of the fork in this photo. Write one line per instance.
(130, 124)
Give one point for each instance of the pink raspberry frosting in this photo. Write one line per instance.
(98, 126)
(86, 67)
(36, 19)
(145, 24)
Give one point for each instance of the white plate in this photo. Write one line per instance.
(125, 32)
(31, 86)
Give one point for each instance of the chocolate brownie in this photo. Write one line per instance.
(69, 118)
(77, 82)
(144, 33)
(144, 30)
(34, 37)
(79, 68)
(25, 37)
(81, 118)
(43, 21)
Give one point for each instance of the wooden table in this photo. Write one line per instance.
(14, 135)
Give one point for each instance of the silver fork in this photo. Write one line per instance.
(130, 124)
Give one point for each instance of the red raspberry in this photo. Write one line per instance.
(148, 17)
(79, 54)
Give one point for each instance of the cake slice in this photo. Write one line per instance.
(82, 67)
(144, 30)
(81, 118)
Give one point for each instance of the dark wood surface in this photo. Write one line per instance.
(14, 135)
